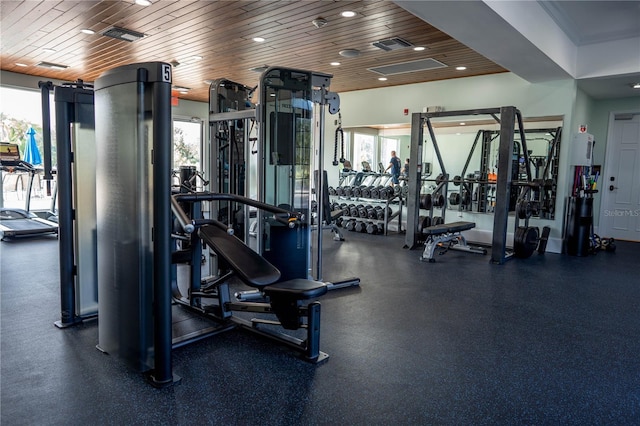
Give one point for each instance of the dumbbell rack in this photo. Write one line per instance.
(352, 212)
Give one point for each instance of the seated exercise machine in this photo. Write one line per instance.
(284, 299)
(439, 235)
(144, 311)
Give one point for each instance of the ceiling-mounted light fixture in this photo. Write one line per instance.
(49, 50)
(349, 53)
(636, 86)
(335, 64)
(319, 22)
(123, 34)
(348, 14)
(142, 2)
(20, 64)
(461, 68)
(382, 78)
(259, 69)
(181, 89)
(52, 66)
(258, 39)
(419, 48)
(87, 31)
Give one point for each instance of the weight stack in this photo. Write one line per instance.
(579, 222)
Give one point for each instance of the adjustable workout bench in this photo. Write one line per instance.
(448, 233)
(284, 298)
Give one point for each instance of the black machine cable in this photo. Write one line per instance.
(338, 135)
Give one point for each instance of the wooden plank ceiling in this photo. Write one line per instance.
(222, 32)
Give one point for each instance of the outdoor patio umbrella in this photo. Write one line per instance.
(31, 152)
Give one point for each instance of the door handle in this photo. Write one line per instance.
(611, 187)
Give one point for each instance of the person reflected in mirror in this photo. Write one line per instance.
(394, 165)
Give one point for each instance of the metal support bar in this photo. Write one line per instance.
(503, 189)
(415, 180)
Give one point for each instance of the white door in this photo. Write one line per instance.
(620, 215)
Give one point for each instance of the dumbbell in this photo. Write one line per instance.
(362, 212)
(360, 226)
(357, 191)
(332, 190)
(351, 225)
(380, 227)
(386, 193)
(454, 198)
(335, 206)
(371, 212)
(375, 192)
(366, 192)
(348, 190)
(339, 221)
(372, 228)
(345, 209)
(379, 213)
(353, 210)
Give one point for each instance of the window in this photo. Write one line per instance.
(363, 150)
(187, 143)
(386, 146)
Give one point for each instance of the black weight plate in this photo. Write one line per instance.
(425, 201)
(525, 241)
(454, 198)
(437, 220)
(438, 200)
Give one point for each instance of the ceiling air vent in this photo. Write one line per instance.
(411, 66)
(394, 43)
(123, 34)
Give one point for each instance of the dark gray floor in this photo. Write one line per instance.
(548, 340)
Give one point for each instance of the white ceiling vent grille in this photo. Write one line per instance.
(394, 43)
(411, 66)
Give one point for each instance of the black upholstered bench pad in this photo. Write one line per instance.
(297, 288)
(253, 269)
(448, 227)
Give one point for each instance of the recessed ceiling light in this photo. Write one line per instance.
(636, 86)
(143, 2)
(87, 31)
(335, 64)
(20, 64)
(49, 50)
(419, 48)
(382, 78)
(463, 124)
(197, 58)
(461, 68)
(258, 39)
(348, 14)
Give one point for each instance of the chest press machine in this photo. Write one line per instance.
(284, 299)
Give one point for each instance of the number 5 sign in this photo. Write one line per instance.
(166, 73)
